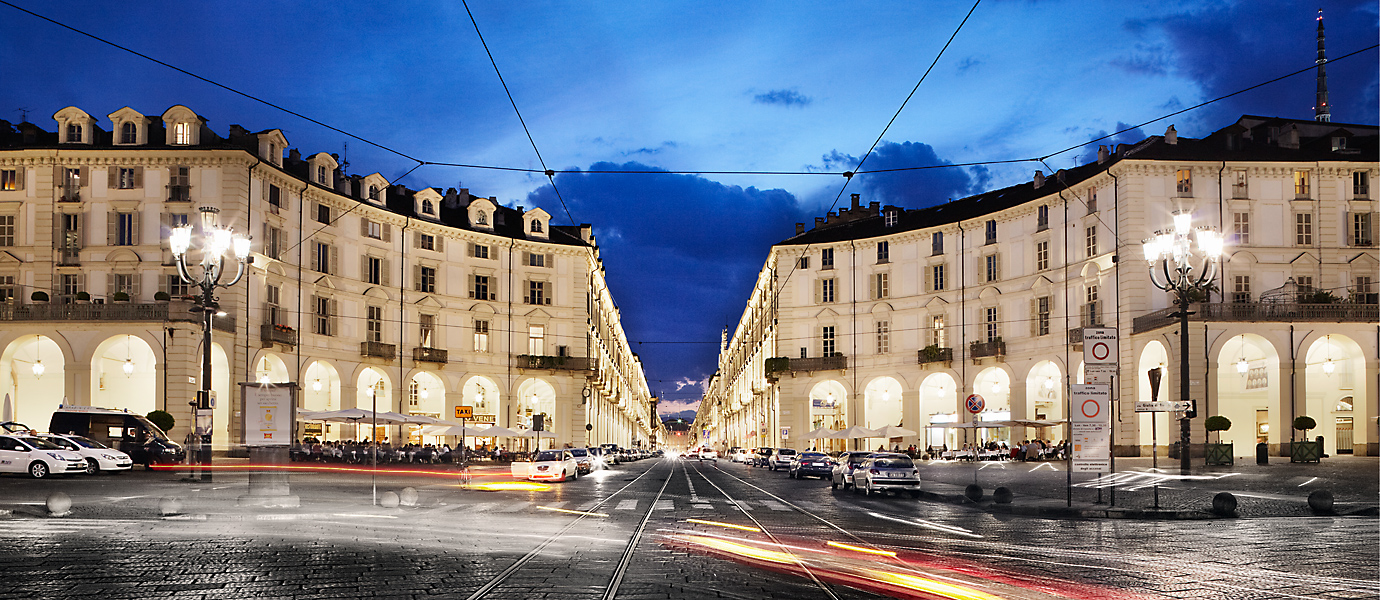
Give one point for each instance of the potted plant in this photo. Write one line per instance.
(1304, 450)
(83, 298)
(120, 297)
(1218, 453)
(39, 296)
(161, 296)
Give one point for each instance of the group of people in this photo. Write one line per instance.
(350, 451)
(1026, 450)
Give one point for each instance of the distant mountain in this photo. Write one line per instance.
(688, 415)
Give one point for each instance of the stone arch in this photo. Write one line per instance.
(939, 405)
(1334, 369)
(829, 408)
(1044, 396)
(881, 406)
(1247, 391)
(270, 368)
(35, 393)
(994, 385)
(1154, 355)
(124, 374)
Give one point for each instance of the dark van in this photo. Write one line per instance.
(127, 432)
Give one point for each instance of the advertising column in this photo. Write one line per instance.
(269, 413)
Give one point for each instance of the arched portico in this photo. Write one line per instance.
(1044, 400)
(994, 385)
(1337, 392)
(881, 407)
(1153, 356)
(939, 406)
(1248, 392)
(828, 408)
(33, 369)
(124, 374)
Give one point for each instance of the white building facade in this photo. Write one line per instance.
(362, 292)
(887, 316)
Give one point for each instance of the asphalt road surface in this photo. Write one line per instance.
(650, 529)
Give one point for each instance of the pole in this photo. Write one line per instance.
(1155, 455)
(204, 441)
(1185, 424)
(1116, 428)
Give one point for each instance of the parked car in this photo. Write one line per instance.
(98, 457)
(583, 459)
(127, 432)
(844, 467)
(887, 471)
(610, 453)
(780, 459)
(741, 455)
(37, 457)
(761, 456)
(812, 464)
(15, 428)
(558, 465)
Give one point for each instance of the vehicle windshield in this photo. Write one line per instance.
(579, 452)
(153, 429)
(785, 452)
(811, 455)
(41, 443)
(87, 442)
(549, 455)
(893, 463)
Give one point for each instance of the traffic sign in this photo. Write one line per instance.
(975, 403)
(1100, 345)
(1099, 372)
(1162, 406)
(1090, 427)
(464, 412)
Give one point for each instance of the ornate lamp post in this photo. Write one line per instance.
(1183, 261)
(216, 242)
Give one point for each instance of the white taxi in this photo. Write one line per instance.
(99, 457)
(37, 457)
(554, 465)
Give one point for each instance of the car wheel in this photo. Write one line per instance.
(38, 470)
(92, 467)
(847, 485)
(565, 476)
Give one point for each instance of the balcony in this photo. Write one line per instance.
(554, 363)
(993, 348)
(69, 193)
(837, 362)
(1076, 337)
(934, 354)
(271, 334)
(378, 350)
(1277, 312)
(69, 256)
(124, 312)
(431, 355)
(179, 193)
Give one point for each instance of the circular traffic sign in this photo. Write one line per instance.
(1091, 408)
(1100, 350)
(975, 403)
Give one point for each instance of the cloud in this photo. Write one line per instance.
(1088, 152)
(651, 150)
(1146, 62)
(783, 98)
(914, 188)
(968, 63)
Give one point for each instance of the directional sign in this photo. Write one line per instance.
(1162, 406)
(1091, 428)
(1099, 345)
(464, 412)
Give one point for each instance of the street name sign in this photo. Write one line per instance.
(1162, 406)
(1091, 427)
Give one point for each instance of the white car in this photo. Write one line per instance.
(742, 455)
(37, 457)
(554, 465)
(99, 457)
(709, 454)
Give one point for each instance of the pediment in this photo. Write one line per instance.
(989, 293)
(1242, 257)
(1305, 258)
(483, 308)
(123, 255)
(378, 292)
(936, 302)
(881, 307)
(326, 281)
(429, 301)
(827, 313)
(537, 313)
(8, 258)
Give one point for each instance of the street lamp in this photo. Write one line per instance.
(1183, 261)
(216, 242)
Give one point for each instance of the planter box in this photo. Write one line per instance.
(1303, 452)
(1219, 454)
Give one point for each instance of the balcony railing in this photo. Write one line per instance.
(179, 193)
(837, 362)
(1263, 311)
(1076, 336)
(69, 193)
(432, 355)
(934, 355)
(559, 363)
(69, 255)
(153, 311)
(986, 349)
(273, 334)
(378, 349)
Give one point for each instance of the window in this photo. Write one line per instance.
(124, 282)
(8, 290)
(991, 231)
(827, 347)
(883, 337)
(373, 229)
(1238, 185)
(479, 288)
(71, 185)
(1360, 184)
(536, 293)
(73, 133)
(374, 324)
(414, 397)
(179, 184)
(1091, 316)
(1042, 255)
(536, 260)
(71, 232)
(479, 251)
(68, 286)
(883, 252)
(1365, 285)
(426, 330)
(322, 257)
(536, 340)
(481, 218)
(937, 243)
(1305, 283)
(273, 311)
(129, 133)
(323, 316)
(321, 174)
(1362, 229)
(992, 267)
(273, 246)
(826, 258)
(373, 270)
(890, 218)
(1303, 229)
(426, 279)
(6, 230)
(804, 262)
(374, 193)
(1184, 185)
(178, 288)
(937, 275)
(125, 229)
(275, 198)
(182, 133)
(323, 214)
(428, 208)
(992, 324)
(879, 286)
(825, 293)
(1042, 217)
(1042, 310)
(1241, 228)
(939, 334)
(1091, 236)
(1301, 187)
(9, 180)
(536, 226)
(125, 178)
(1092, 200)
(426, 241)
(481, 336)
(1242, 292)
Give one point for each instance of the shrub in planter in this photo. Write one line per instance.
(83, 297)
(162, 296)
(1304, 450)
(120, 297)
(39, 296)
(162, 419)
(1218, 453)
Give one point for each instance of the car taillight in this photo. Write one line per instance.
(915, 473)
(873, 471)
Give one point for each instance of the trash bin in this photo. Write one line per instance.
(1262, 454)
(1174, 450)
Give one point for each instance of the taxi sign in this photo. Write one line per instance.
(464, 412)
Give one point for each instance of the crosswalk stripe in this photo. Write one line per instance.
(664, 505)
(587, 505)
(556, 505)
(774, 505)
(703, 506)
(626, 505)
(514, 507)
(744, 504)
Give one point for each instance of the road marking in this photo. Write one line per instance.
(514, 507)
(743, 504)
(774, 505)
(626, 505)
(664, 505)
(554, 505)
(587, 505)
(702, 506)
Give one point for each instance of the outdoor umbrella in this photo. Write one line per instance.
(496, 431)
(449, 429)
(892, 431)
(853, 433)
(393, 417)
(822, 432)
(7, 412)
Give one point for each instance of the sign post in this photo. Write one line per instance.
(1091, 425)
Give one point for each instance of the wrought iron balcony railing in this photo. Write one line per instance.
(1280, 312)
(560, 363)
(378, 350)
(432, 355)
(274, 334)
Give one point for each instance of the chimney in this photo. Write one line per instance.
(799, 228)
(449, 201)
(873, 206)
(1059, 175)
(1039, 179)
(1102, 154)
(294, 155)
(1171, 137)
(819, 222)
(857, 198)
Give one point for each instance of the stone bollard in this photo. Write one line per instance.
(408, 496)
(388, 500)
(168, 506)
(59, 504)
(973, 492)
(1321, 502)
(1002, 495)
(1224, 504)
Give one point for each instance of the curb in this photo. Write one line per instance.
(1066, 512)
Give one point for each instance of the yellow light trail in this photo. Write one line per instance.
(861, 549)
(930, 586)
(573, 512)
(742, 549)
(502, 486)
(718, 524)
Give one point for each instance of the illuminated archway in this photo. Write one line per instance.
(320, 391)
(269, 368)
(124, 375)
(426, 396)
(536, 397)
(938, 406)
(1247, 392)
(1337, 389)
(829, 408)
(1153, 356)
(994, 385)
(881, 407)
(373, 391)
(34, 371)
(1044, 398)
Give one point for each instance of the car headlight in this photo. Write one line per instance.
(56, 456)
(170, 450)
(110, 457)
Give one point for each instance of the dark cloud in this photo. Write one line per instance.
(911, 189)
(682, 254)
(1146, 61)
(1128, 135)
(783, 98)
(650, 150)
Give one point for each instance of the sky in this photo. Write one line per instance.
(694, 87)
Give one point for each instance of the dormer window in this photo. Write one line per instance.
(1338, 143)
(536, 226)
(321, 175)
(73, 133)
(428, 208)
(890, 218)
(273, 152)
(482, 219)
(373, 192)
(182, 134)
(129, 133)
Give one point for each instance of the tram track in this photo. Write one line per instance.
(620, 569)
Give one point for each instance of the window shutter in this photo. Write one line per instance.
(471, 286)
(417, 277)
(136, 287)
(1034, 317)
(163, 283)
(110, 286)
(526, 259)
(440, 244)
(469, 250)
(550, 261)
(112, 180)
(383, 273)
(20, 174)
(1350, 227)
(334, 265)
(331, 309)
(139, 177)
(315, 257)
(112, 218)
(1097, 312)
(266, 246)
(872, 287)
(1374, 228)
(387, 232)
(136, 225)
(85, 176)
(417, 240)
(364, 268)
(364, 226)
(929, 277)
(996, 266)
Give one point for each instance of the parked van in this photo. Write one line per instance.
(122, 430)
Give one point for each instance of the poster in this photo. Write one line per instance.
(268, 414)
(1091, 428)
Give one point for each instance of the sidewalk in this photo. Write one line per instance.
(1041, 489)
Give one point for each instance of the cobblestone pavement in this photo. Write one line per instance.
(462, 543)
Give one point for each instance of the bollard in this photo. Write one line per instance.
(1002, 495)
(388, 499)
(1262, 454)
(168, 506)
(1224, 504)
(408, 496)
(59, 504)
(1321, 502)
(973, 492)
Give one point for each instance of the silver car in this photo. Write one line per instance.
(843, 469)
(881, 472)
